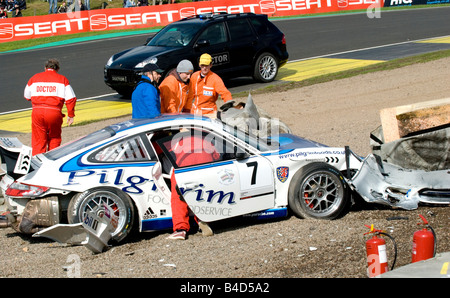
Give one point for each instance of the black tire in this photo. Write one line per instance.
(266, 68)
(318, 191)
(92, 200)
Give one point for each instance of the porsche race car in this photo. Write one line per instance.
(118, 179)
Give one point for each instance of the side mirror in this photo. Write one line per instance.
(202, 43)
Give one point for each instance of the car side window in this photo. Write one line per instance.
(215, 33)
(239, 29)
(195, 146)
(261, 27)
(130, 149)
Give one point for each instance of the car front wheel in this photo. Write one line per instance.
(110, 204)
(266, 68)
(318, 191)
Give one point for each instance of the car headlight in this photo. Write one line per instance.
(152, 60)
(110, 60)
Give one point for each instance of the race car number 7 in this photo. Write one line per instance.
(253, 164)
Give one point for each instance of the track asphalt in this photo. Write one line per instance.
(20, 121)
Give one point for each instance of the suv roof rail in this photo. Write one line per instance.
(216, 15)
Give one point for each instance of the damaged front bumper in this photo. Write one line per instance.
(388, 184)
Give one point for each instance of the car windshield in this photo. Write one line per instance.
(83, 142)
(175, 35)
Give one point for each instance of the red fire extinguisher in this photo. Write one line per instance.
(424, 242)
(377, 262)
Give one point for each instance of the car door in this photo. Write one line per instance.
(242, 45)
(214, 41)
(213, 180)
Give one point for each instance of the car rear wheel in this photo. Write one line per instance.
(266, 68)
(107, 203)
(318, 191)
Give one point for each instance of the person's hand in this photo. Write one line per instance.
(69, 121)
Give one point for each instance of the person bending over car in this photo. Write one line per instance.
(187, 153)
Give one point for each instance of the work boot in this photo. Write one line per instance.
(205, 228)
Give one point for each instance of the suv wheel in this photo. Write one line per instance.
(266, 68)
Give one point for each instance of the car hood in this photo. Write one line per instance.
(290, 141)
(131, 57)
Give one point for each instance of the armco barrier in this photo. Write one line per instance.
(21, 28)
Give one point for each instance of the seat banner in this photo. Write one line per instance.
(97, 20)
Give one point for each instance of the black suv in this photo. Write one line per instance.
(244, 44)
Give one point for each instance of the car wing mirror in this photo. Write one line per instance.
(202, 43)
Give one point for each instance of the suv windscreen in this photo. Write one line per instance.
(176, 35)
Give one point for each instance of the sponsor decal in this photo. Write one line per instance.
(226, 176)
(210, 196)
(149, 214)
(282, 173)
(131, 184)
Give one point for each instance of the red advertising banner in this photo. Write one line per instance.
(20, 28)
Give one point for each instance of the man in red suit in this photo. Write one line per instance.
(189, 150)
(48, 91)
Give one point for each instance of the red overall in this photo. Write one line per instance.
(187, 156)
(48, 91)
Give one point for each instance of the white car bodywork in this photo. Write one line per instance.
(123, 161)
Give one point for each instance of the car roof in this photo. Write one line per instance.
(216, 16)
(132, 123)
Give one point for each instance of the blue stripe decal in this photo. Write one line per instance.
(75, 163)
(205, 166)
(157, 224)
(165, 223)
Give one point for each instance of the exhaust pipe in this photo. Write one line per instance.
(4, 222)
(37, 215)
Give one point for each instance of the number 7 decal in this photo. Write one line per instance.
(253, 164)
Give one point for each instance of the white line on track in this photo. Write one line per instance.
(81, 99)
(369, 48)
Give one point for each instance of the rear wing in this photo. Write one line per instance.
(15, 157)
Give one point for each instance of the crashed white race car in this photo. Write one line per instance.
(101, 186)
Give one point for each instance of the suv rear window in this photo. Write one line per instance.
(260, 26)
